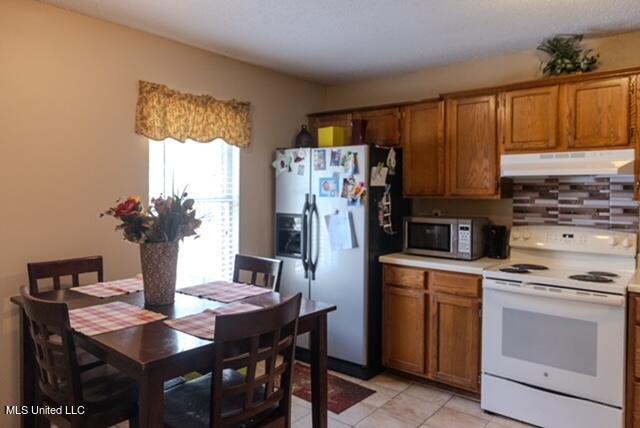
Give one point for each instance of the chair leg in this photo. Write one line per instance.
(134, 422)
(42, 422)
(77, 421)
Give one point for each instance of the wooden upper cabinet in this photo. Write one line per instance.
(423, 170)
(596, 114)
(315, 122)
(383, 126)
(454, 340)
(529, 119)
(403, 321)
(473, 147)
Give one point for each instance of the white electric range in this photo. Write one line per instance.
(553, 329)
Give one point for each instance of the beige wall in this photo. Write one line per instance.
(619, 51)
(67, 148)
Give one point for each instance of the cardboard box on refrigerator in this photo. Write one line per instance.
(334, 136)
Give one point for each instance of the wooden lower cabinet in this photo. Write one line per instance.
(403, 329)
(431, 325)
(454, 340)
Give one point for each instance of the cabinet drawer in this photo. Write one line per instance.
(404, 277)
(456, 284)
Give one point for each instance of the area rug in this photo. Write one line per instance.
(342, 393)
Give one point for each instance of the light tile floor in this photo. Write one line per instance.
(399, 403)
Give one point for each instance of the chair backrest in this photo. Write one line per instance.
(260, 268)
(243, 341)
(53, 349)
(59, 268)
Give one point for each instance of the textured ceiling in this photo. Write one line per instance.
(332, 41)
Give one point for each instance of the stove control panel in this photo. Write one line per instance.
(578, 239)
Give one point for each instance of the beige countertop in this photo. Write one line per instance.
(452, 265)
(634, 284)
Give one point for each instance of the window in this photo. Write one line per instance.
(210, 173)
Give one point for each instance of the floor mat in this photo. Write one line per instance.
(342, 393)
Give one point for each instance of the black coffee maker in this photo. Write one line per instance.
(498, 242)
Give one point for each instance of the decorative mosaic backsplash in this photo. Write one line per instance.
(592, 201)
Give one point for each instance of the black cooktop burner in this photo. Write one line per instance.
(529, 266)
(514, 270)
(591, 278)
(602, 273)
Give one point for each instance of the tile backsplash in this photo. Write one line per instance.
(592, 201)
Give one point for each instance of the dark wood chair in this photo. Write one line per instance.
(57, 269)
(107, 396)
(268, 270)
(227, 398)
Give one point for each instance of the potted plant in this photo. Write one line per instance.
(158, 229)
(566, 56)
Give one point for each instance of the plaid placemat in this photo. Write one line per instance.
(112, 316)
(119, 287)
(204, 324)
(224, 291)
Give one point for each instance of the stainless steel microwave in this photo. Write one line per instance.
(454, 238)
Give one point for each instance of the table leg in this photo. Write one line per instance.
(319, 389)
(151, 401)
(27, 375)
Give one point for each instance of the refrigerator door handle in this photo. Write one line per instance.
(313, 261)
(304, 250)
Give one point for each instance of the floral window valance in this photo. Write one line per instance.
(166, 113)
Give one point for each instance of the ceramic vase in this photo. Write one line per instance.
(159, 264)
(304, 138)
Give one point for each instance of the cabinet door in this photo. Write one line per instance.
(529, 119)
(383, 126)
(472, 144)
(316, 122)
(597, 114)
(403, 327)
(423, 171)
(454, 340)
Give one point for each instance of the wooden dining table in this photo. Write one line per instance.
(154, 353)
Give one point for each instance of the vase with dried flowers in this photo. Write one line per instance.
(158, 229)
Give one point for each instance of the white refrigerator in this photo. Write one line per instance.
(329, 243)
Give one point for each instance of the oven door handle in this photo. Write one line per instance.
(566, 294)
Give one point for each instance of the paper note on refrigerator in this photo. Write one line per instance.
(378, 176)
(341, 232)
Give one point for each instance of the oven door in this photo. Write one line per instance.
(431, 236)
(563, 340)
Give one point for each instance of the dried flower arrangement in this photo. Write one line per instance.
(165, 220)
(566, 55)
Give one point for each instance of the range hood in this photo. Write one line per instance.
(597, 162)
